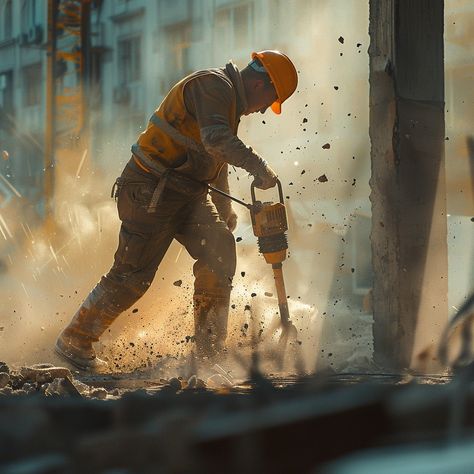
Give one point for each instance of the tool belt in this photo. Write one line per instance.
(166, 179)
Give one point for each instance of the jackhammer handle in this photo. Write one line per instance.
(253, 186)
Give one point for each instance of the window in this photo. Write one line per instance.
(129, 60)
(24, 17)
(6, 100)
(7, 21)
(32, 85)
(6, 91)
(28, 15)
(241, 22)
(31, 12)
(233, 27)
(178, 39)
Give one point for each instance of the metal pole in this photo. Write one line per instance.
(222, 193)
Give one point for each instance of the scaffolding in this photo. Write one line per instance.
(67, 83)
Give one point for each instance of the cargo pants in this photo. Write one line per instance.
(145, 237)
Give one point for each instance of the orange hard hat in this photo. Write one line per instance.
(282, 73)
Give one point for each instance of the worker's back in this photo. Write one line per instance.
(157, 140)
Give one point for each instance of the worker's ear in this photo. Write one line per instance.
(259, 85)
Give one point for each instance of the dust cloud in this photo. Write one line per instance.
(319, 147)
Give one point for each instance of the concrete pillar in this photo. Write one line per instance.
(408, 192)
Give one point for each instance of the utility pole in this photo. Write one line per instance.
(408, 190)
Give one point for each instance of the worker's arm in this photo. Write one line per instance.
(209, 99)
(223, 203)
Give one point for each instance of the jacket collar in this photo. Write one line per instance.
(234, 75)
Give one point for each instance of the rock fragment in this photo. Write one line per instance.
(191, 382)
(175, 384)
(29, 388)
(99, 393)
(218, 381)
(44, 374)
(62, 387)
(6, 391)
(4, 379)
(4, 367)
(82, 388)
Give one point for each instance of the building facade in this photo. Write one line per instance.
(22, 99)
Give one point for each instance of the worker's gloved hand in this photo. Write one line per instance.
(267, 179)
(231, 220)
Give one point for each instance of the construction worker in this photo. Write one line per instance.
(162, 195)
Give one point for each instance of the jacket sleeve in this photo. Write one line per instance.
(209, 99)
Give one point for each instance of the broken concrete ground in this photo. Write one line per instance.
(280, 425)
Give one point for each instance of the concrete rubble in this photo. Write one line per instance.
(50, 421)
(51, 381)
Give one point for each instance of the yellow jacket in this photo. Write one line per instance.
(194, 130)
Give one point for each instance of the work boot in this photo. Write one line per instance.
(76, 346)
(210, 325)
(91, 320)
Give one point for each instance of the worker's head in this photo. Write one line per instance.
(269, 79)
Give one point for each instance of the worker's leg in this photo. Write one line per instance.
(208, 240)
(143, 241)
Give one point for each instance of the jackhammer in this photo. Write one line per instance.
(269, 226)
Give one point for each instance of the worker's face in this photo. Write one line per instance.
(259, 96)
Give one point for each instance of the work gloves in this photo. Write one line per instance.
(231, 220)
(266, 178)
(226, 214)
